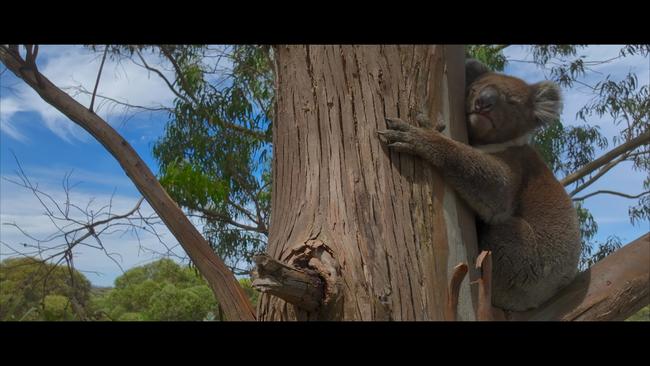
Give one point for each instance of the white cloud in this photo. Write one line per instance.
(73, 66)
(9, 107)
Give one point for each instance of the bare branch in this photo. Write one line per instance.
(162, 76)
(91, 227)
(179, 73)
(99, 74)
(612, 193)
(243, 211)
(211, 214)
(607, 157)
(79, 89)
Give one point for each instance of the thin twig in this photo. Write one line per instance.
(99, 74)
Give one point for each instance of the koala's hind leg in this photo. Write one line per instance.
(520, 279)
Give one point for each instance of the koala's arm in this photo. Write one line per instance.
(485, 182)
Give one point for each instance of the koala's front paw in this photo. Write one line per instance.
(400, 136)
(424, 121)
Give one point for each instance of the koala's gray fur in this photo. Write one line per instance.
(526, 218)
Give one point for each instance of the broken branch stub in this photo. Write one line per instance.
(484, 265)
(300, 287)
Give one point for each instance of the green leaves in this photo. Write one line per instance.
(57, 307)
(191, 187)
(491, 55)
(216, 149)
(32, 290)
(162, 290)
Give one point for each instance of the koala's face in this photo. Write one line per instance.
(501, 108)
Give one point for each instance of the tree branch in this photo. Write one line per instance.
(243, 211)
(247, 131)
(613, 289)
(221, 217)
(644, 138)
(226, 288)
(99, 74)
(302, 288)
(610, 192)
(79, 89)
(607, 167)
(162, 76)
(179, 72)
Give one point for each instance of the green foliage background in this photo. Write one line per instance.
(32, 290)
(161, 290)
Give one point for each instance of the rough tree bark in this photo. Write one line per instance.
(381, 229)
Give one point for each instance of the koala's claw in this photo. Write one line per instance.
(423, 120)
(397, 124)
(440, 126)
(401, 146)
(393, 135)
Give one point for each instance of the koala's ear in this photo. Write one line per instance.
(547, 102)
(473, 69)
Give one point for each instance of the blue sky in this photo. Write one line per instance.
(48, 146)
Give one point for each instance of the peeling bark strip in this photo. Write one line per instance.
(300, 288)
(223, 283)
(613, 289)
(484, 264)
(460, 271)
(386, 218)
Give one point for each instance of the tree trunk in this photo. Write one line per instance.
(381, 229)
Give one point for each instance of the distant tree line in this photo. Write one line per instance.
(31, 290)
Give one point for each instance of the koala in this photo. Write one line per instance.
(524, 215)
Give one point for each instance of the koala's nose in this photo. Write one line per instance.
(486, 99)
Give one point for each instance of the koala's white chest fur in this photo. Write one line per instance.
(494, 148)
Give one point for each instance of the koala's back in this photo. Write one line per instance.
(543, 212)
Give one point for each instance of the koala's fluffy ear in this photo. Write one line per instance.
(473, 69)
(547, 102)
